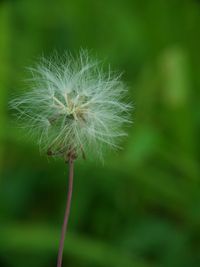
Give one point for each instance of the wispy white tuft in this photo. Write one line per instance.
(74, 104)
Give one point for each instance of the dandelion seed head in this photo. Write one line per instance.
(74, 104)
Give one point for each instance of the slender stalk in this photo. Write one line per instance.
(67, 210)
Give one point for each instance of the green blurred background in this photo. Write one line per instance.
(142, 207)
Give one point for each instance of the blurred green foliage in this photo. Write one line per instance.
(142, 207)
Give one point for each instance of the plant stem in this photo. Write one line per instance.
(67, 210)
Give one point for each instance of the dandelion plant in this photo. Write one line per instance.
(74, 108)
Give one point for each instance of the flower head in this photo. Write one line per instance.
(73, 105)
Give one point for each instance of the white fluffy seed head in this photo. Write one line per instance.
(74, 105)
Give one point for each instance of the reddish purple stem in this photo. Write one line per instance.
(67, 211)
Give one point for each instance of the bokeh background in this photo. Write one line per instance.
(142, 207)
